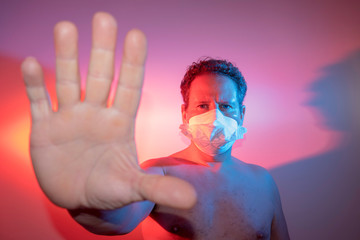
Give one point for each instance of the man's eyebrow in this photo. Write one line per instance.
(228, 101)
(202, 100)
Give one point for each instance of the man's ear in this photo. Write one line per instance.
(183, 113)
(242, 114)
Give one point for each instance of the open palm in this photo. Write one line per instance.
(84, 155)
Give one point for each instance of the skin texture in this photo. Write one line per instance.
(85, 160)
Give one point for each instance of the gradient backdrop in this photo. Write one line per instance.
(301, 61)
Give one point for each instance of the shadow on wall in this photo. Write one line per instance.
(321, 194)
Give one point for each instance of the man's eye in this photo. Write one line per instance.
(225, 106)
(203, 106)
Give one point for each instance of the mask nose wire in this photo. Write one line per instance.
(218, 114)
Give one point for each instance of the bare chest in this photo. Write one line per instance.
(230, 206)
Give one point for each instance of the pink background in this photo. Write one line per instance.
(301, 61)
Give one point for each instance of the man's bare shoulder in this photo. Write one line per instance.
(255, 172)
(249, 167)
(160, 165)
(164, 162)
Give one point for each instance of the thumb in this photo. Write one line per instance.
(168, 191)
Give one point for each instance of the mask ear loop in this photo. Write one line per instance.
(240, 132)
(184, 128)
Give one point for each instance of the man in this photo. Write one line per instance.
(84, 155)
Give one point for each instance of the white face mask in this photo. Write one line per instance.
(212, 132)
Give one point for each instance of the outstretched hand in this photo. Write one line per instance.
(84, 154)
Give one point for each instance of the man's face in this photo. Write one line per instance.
(211, 91)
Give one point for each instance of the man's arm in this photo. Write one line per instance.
(118, 221)
(279, 229)
(113, 222)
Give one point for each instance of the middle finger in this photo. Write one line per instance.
(101, 67)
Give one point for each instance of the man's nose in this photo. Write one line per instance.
(213, 106)
(216, 107)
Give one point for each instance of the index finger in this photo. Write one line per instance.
(131, 76)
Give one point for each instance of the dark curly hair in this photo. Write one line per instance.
(215, 66)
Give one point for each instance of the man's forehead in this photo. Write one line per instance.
(211, 88)
(207, 98)
(213, 84)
